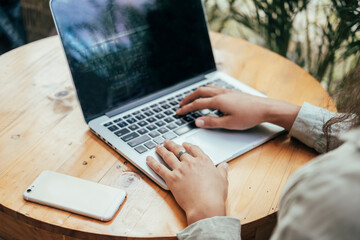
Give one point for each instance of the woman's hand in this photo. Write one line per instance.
(198, 186)
(241, 110)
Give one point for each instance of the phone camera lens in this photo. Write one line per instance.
(29, 190)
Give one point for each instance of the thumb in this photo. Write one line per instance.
(211, 122)
(223, 169)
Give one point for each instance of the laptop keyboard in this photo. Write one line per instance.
(144, 129)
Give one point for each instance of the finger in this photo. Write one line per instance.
(213, 122)
(201, 92)
(168, 157)
(193, 150)
(223, 169)
(200, 103)
(159, 168)
(176, 149)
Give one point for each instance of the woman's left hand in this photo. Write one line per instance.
(198, 186)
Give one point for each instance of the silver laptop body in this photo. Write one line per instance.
(132, 62)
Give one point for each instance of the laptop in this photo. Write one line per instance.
(132, 62)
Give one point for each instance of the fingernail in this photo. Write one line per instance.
(200, 122)
(226, 165)
(148, 158)
(177, 111)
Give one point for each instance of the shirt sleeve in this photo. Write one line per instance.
(212, 228)
(308, 128)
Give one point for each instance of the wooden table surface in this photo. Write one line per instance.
(42, 128)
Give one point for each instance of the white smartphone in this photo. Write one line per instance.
(75, 195)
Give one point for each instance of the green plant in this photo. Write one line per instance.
(341, 36)
(322, 36)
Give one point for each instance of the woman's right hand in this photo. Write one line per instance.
(241, 110)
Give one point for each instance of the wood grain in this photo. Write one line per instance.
(42, 128)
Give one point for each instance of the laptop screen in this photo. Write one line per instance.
(122, 50)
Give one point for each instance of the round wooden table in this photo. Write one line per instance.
(42, 128)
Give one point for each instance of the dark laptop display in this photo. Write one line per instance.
(122, 50)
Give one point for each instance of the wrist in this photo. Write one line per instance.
(281, 113)
(197, 214)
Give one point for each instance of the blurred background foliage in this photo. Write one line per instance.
(321, 36)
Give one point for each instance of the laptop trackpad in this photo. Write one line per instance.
(224, 145)
(219, 145)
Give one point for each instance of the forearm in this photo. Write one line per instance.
(200, 212)
(306, 123)
(280, 113)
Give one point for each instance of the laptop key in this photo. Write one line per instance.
(165, 106)
(188, 119)
(141, 149)
(153, 106)
(159, 116)
(142, 131)
(131, 120)
(117, 120)
(160, 123)
(169, 135)
(149, 113)
(168, 112)
(205, 111)
(151, 119)
(122, 124)
(151, 127)
(127, 116)
(140, 117)
(196, 115)
(108, 124)
(122, 132)
(180, 122)
(150, 145)
(171, 126)
(157, 109)
(184, 129)
(113, 128)
(162, 102)
(174, 103)
(134, 127)
(154, 134)
(136, 113)
(130, 136)
(142, 123)
(163, 130)
(159, 140)
(145, 109)
(168, 119)
(139, 140)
